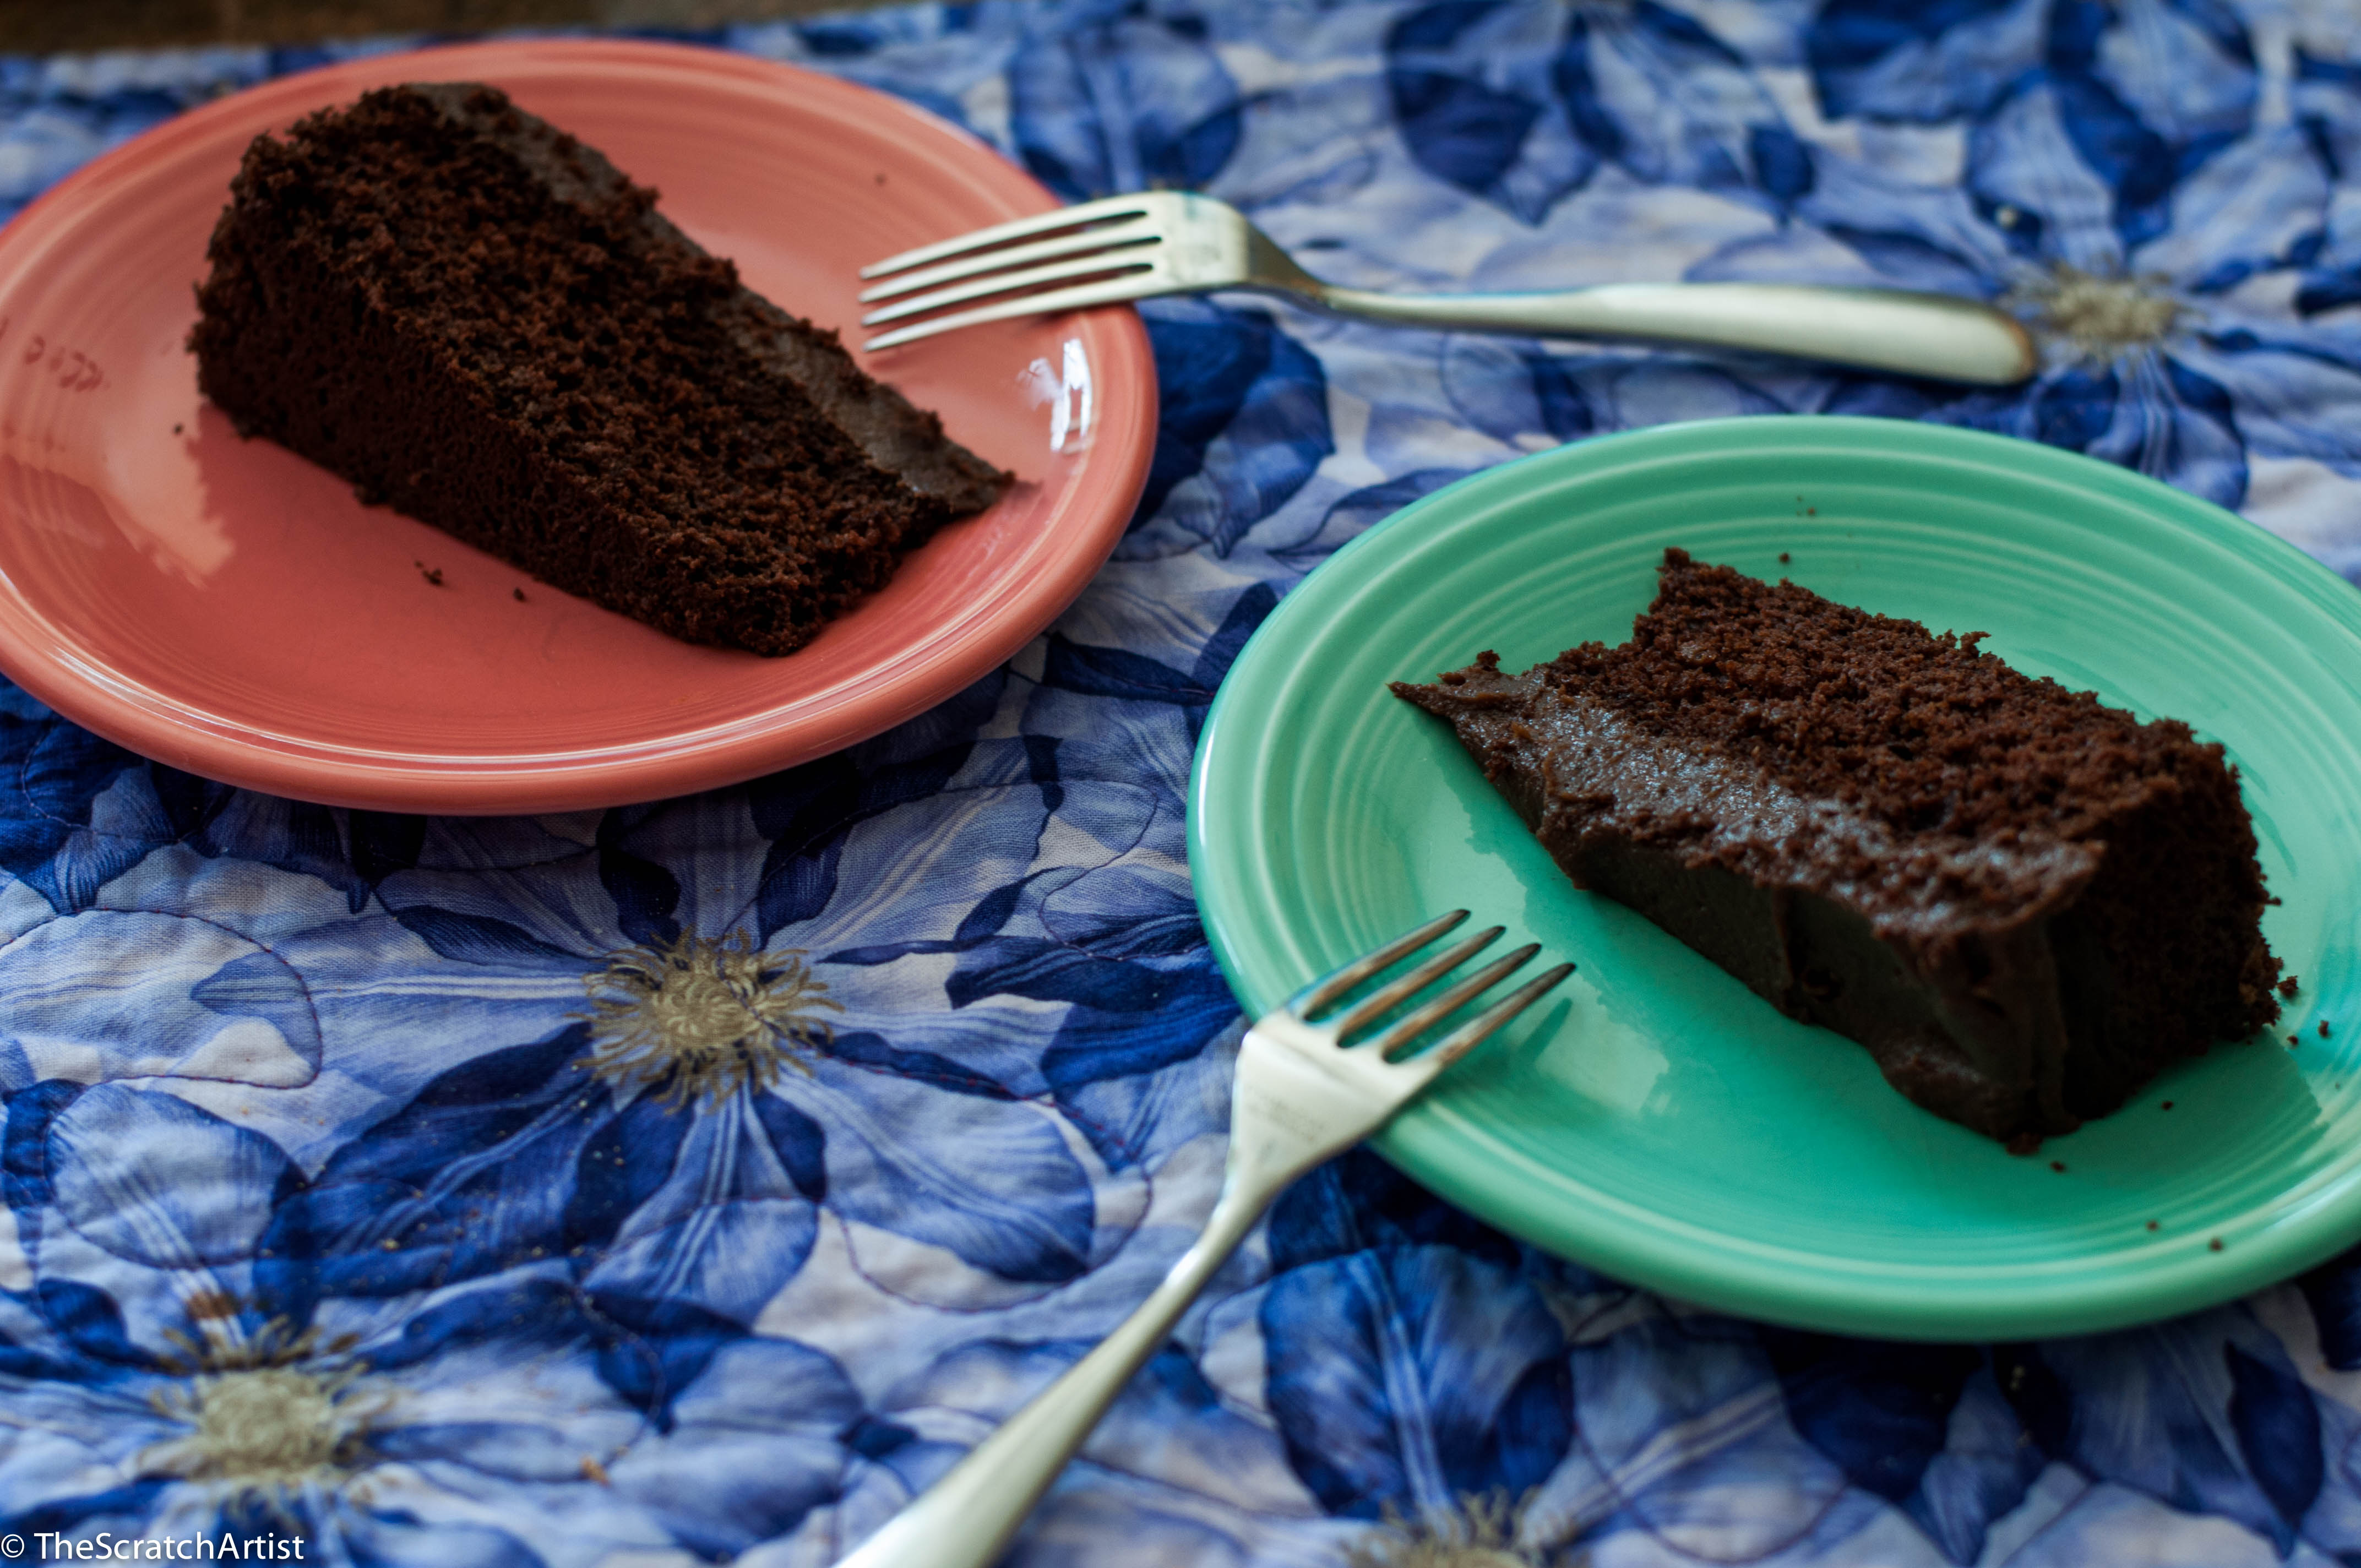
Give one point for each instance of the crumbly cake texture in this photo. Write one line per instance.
(477, 320)
(2022, 902)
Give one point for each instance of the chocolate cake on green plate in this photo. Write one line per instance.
(2024, 903)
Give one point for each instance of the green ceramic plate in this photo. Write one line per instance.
(1658, 1121)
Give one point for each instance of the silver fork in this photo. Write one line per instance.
(1175, 242)
(1304, 1091)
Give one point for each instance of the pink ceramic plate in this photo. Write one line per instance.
(226, 607)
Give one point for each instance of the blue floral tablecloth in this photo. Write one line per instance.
(454, 1193)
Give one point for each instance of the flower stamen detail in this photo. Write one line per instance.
(2105, 318)
(266, 1418)
(1479, 1532)
(704, 1018)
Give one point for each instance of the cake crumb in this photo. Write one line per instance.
(2324, 1029)
(2215, 1245)
(2056, 1165)
(1783, 557)
(2166, 1106)
(2289, 986)
(176, 429)
(520, 595)
(2151, 1224)
(1811, 511)
(2295, 1039)
(432, 574)
(594, 1471)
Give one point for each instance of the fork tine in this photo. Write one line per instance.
(999, 234)
(1418, 1021)
(1114, 291)
(1379, 1003)
(1329, 987)
(1110, 238)
(1123, 262)
(1485, 1025)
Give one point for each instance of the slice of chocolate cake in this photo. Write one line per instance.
(2024, 903)
(477, 320)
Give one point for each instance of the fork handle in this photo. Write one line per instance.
(965, 1519)
(1936, 335)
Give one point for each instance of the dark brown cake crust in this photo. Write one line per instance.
(477, 320)
(2025, 904)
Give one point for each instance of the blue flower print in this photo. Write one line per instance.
(2146, 78)
(1119, 98)
(734, 1061)
(384, 1448)
(2326, 95)
(1521, 104)
(1409, 1366)
(2149, 231)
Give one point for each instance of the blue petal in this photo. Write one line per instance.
(1459, 130)
(295, 835)
(2326, 99)
(1409, 1378)
(1475, 97)
(1121, 106)
(113, 994)
(755, 1447)
(2293, 394)
(805, 813)
(1353, 514)
(2279, 1434)
(2027, 175)
(88, 1319)
(2177, 425)
(2150, 1412)
(1119, 673)
(132, 1504)
(1922, 1426)
(519, 1317)
(1244, 420)
(475, 1175)
(1625, 393)
(649, 1351)
(484, 939)
(1919, 63)
(645, 893)
(2184, 68)
(1358, 1202)
(1984, 1471)
(156, 1180)
(990, 1180)
(51, 774)
(25, 1154)
(2333, 1292)
(2263, 204)
(1652, 90)
(1881, 1411)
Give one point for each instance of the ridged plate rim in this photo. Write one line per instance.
(1239, 846)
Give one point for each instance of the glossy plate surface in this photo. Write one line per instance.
(1660, 1122)
(228, 608)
